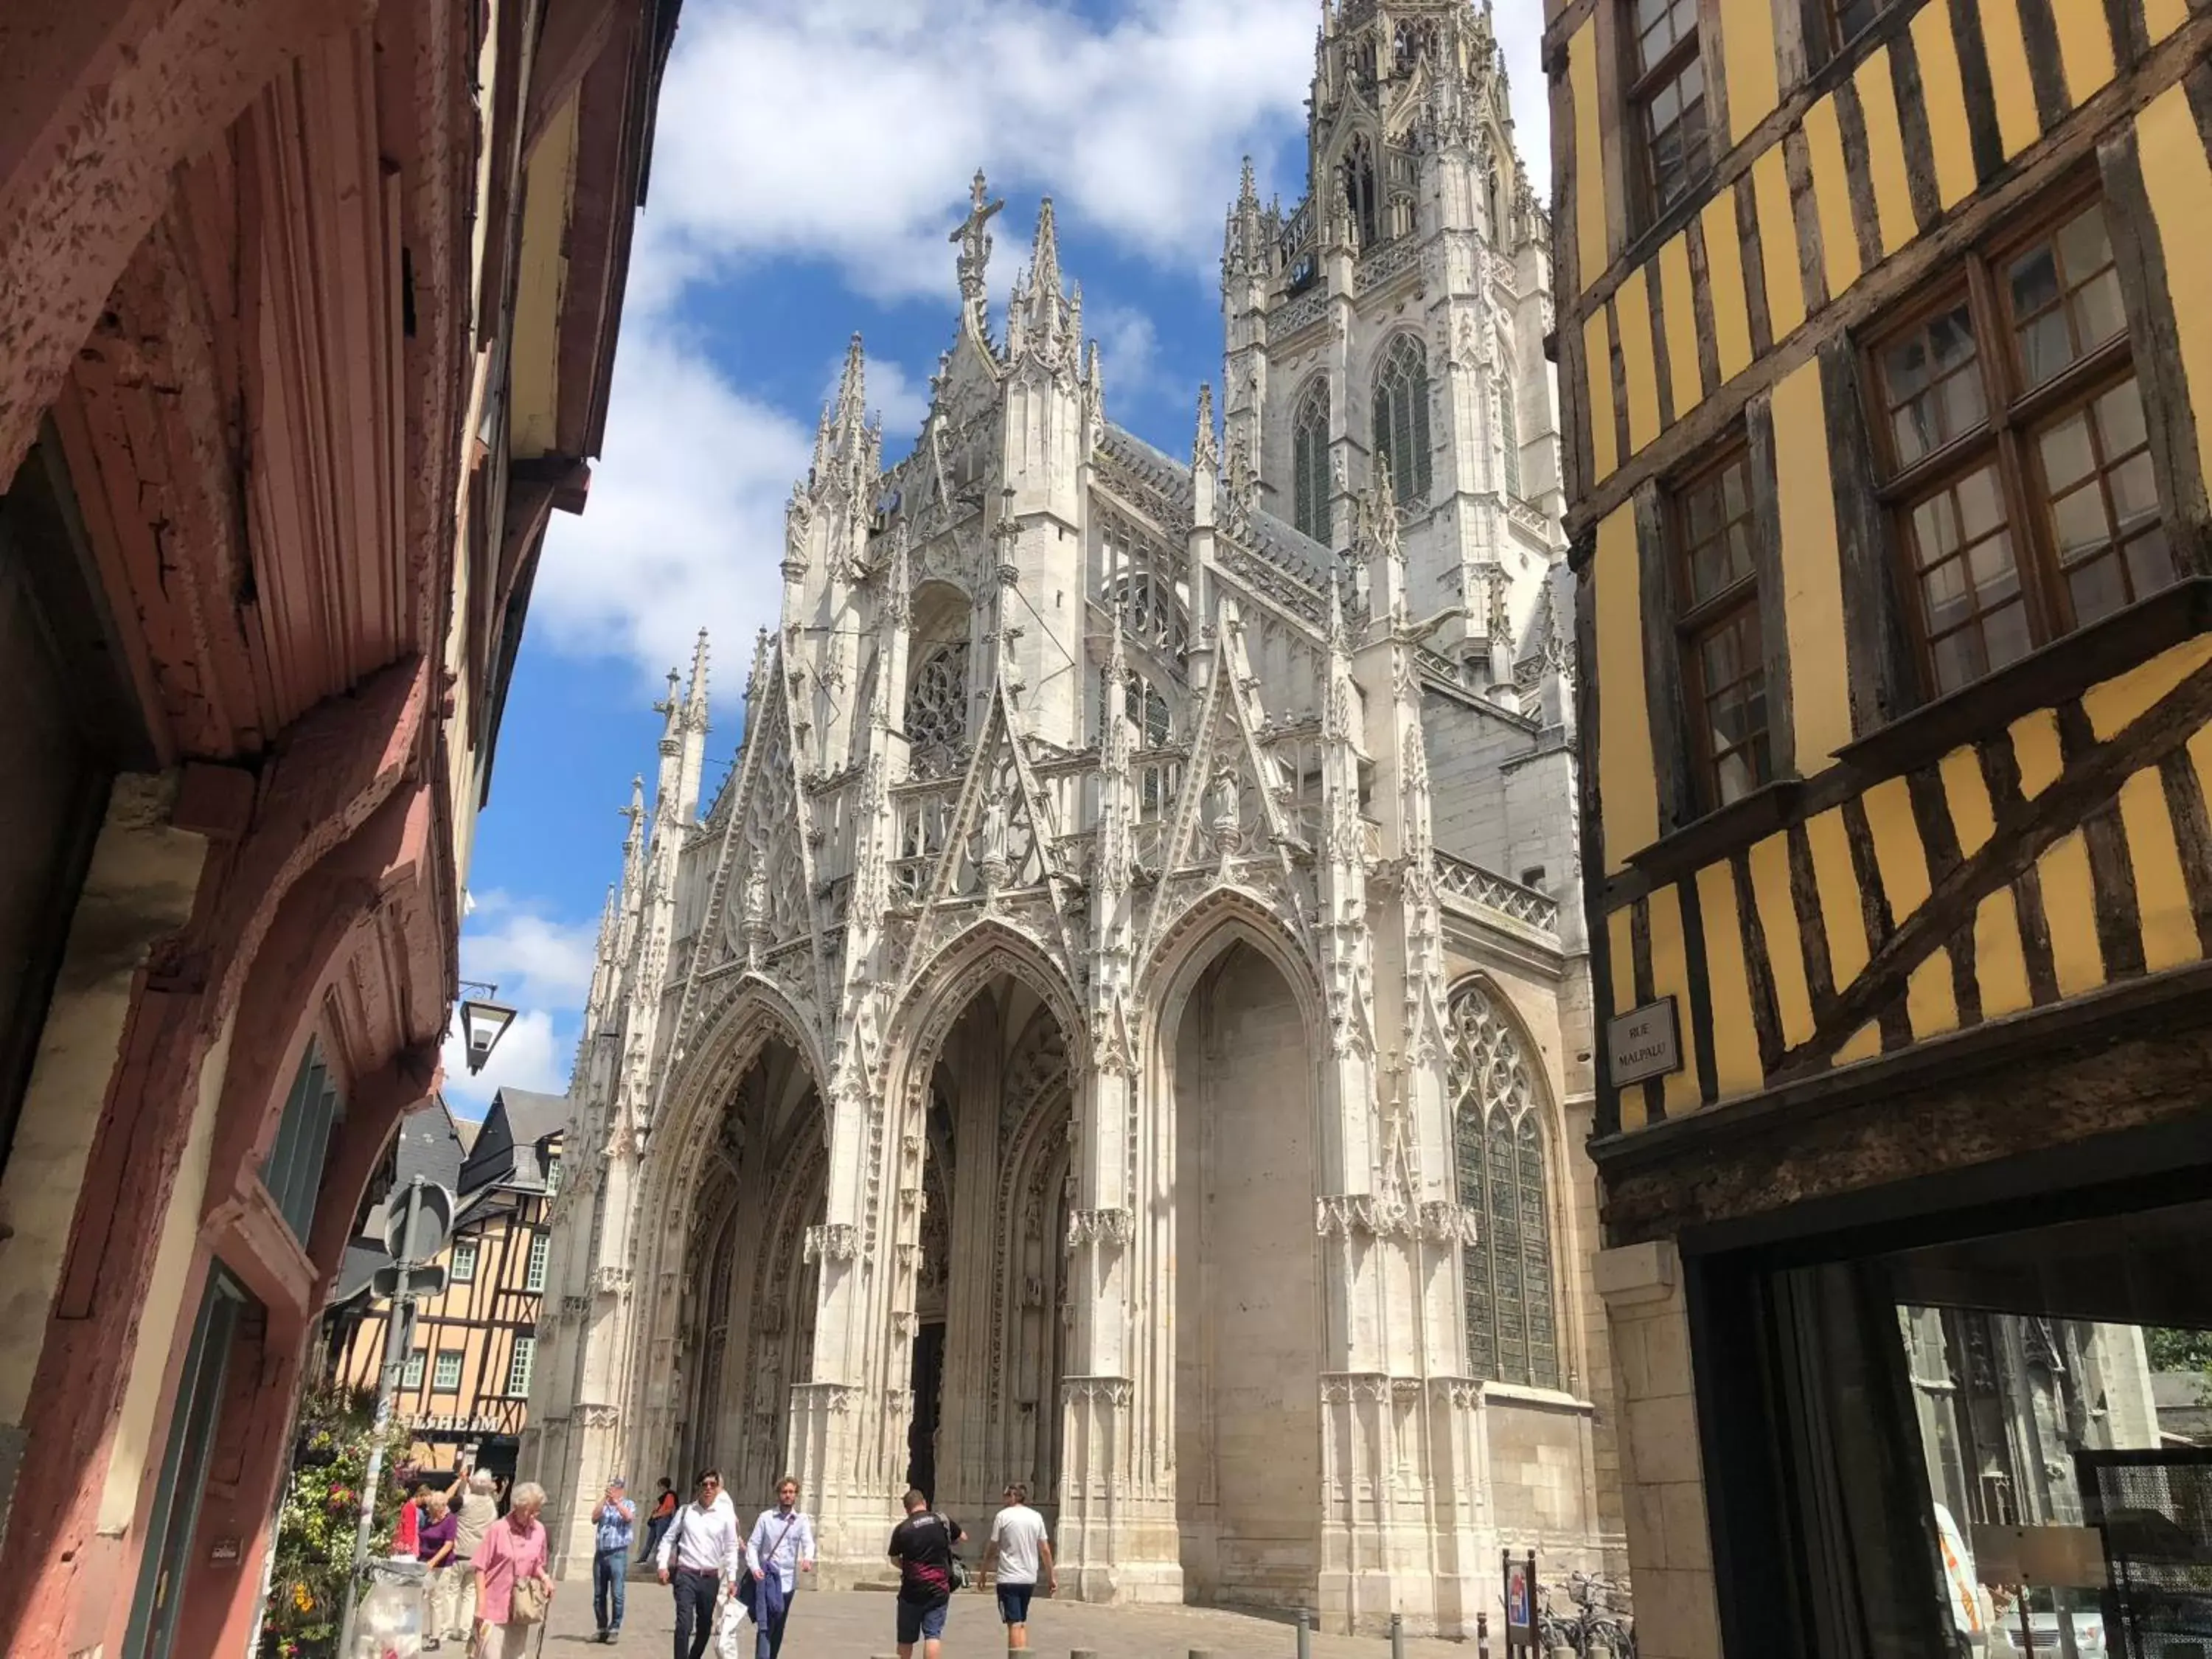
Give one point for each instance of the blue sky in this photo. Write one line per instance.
(810, 159)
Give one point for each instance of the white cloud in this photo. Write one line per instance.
(685, 524)
(848, 129)
(530, 1056)
(535, 961)
(1131, 347)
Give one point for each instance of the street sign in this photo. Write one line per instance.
(418, 1218)
(392, 1281)
(1643, 1043)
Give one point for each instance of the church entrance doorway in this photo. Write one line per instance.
(1248, 1295)
(745, 1325)
(990, 1298)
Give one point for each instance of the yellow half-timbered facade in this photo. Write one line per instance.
(1881, 336)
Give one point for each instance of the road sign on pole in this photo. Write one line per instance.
(418, 1220)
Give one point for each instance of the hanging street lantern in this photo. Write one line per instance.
(484, 1021)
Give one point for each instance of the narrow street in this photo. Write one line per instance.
(857, 1625)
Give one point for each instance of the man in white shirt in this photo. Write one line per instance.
(1020, 1548)
(781, 1545)
(699, 1557)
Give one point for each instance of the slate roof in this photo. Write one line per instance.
(429, 1144)
(511, 1148)
(1279, 543)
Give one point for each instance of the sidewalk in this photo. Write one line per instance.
(857, 1625)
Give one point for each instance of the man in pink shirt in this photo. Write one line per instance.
(514, 1549)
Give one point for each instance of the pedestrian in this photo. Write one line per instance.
(664, 1512)
(699, 1557)
(922, 1545)
(1019, 1547)
(407, 1532)
(476, 1513)
(782, 1543)
(514, 1591)
(433, 1547)
(616, 1517)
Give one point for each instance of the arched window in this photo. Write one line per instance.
(1401, 418)
(1309, 463)
(937, 707)
(1142, 706)
(1509, 433)
(1512, 1320)
(1360, 193)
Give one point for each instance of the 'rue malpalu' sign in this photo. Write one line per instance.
(1643, 1043)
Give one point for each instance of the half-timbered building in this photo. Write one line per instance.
(465, 1384)
(1887, 505)
(307, 328)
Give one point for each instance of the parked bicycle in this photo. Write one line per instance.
(1600, 1622)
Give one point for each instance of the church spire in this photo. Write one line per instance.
(1041, 325)
(695, 698)
(1244, 248)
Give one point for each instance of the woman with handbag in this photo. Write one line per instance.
(513, 1589)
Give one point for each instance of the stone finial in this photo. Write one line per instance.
(973, 238)
(1205, 447)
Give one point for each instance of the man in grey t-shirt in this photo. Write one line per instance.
(1020, 1550)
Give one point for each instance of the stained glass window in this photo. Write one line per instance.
(1401, 419)
(937, 703)
(1309, 463)
(1512, 1325)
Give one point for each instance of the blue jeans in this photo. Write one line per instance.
(609, 1576)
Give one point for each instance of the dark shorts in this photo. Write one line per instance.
(921, 1621)
(1014, 1602)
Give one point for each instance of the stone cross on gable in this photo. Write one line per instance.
(973, 239)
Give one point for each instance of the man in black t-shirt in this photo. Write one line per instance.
(922, 1545)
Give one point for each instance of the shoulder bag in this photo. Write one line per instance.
(955, 1572)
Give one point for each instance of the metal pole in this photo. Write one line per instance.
(387, 1387)
(1305, 1634)
(1482, 1635)
(1397, 1636)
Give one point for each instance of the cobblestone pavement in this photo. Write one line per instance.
(857, 1625)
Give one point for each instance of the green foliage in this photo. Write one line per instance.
(313, 1548)
(2178, 1350)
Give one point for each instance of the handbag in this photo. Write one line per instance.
(527, 1606)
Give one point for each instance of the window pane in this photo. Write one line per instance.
(1932, 384)
(2065, 297)
(1716, 527)
(2102, 494)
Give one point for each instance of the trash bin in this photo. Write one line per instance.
(392, 1621)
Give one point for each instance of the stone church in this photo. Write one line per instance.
(1124, 1024)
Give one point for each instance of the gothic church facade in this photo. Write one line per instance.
(1122, 1024)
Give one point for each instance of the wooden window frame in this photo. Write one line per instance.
(460, 1359)
(475, 1254)
(1639, 86)
(2003, 439)
(537, 1265)
(513, 1353)
(1697, 618)
(1832, 22)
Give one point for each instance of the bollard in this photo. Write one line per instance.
(1482, 1635)
(1201, 1653)
(1083, 1653)
(1305, 1634)
(1397, 1637)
